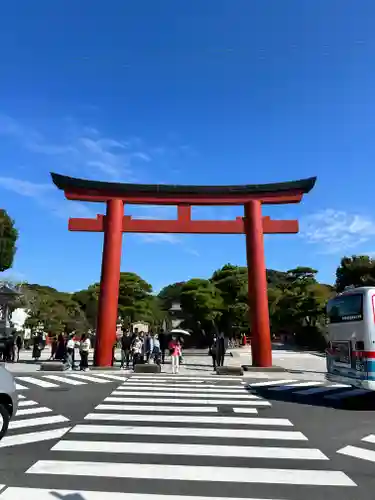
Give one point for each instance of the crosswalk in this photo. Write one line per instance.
(304, 389)
(364, 452)
(70, 378)
(151, 439)
(34, 423)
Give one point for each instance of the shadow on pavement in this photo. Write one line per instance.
(360, 402)
(69, 496)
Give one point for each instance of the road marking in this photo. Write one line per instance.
(21, 396)
(32, 422)
(171, 394)
(369, 439)
(32, 411)
(188, 431)
(37, 381)
(150, 385)
(271, 382)
(245, 410)
(204, 389)
(27, 403)
(294, 386)
(170, 409)
(192, 473)
(191, 450)
(356, 452)
(216, 402)
(65, 380)
(89, 378)
(283, 422)
(110, 376)
(32, 437)
(20, 387)
(346, 394)
(319, 390)
(181, 378)
(44, 494)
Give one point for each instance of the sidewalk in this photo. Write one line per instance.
(299, 365)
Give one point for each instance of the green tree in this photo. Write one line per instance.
(88, 303)
(8, 239)
(170, 294)
(57, 312)
(134, 298)
(358, 270)
(231, 282)
(202, 302)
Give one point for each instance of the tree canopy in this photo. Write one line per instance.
(220, 303)
(8, 239)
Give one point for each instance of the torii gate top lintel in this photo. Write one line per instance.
(160, 194)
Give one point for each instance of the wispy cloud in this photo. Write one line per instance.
(168, 238)
(25, 188)
(44, 195)
(335, 231)
(83, 149)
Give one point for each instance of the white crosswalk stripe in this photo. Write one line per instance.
(34, 423)
(67, 378)
(176, 443)
(359, 452)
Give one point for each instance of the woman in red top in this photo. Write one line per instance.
(175, 349)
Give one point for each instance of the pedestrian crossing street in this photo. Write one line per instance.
(33, 423)
(159, 437)
(303, 389)
(66, 379)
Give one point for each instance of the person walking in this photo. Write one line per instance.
(220, 350)
(175, 349)
(19, 347)
(147, 347)
(155, 349)
(163, 345)
(84, 350)
(213, 351)
(70, 345)
(126, 342)
(137, 347)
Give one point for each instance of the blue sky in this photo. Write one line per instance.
(184, 92)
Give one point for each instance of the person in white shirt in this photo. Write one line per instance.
(70, 352)
(137, 347)
(84, 350)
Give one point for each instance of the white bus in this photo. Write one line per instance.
(351, 337)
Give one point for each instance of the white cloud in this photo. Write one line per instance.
(82, 149)
(336, 231)
(169, 238)
(160, 238)
(43, 195)
(25, 188)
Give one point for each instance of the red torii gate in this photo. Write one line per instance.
(114, 223)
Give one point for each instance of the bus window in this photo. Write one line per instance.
(345, 308)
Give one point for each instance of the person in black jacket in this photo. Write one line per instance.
(163, 344)
(220, 350)
(126, 342)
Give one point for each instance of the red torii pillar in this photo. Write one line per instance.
(257, 285)
(109, 283)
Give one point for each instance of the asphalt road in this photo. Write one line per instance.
(188, 436)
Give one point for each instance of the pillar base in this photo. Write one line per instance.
(251, 368)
